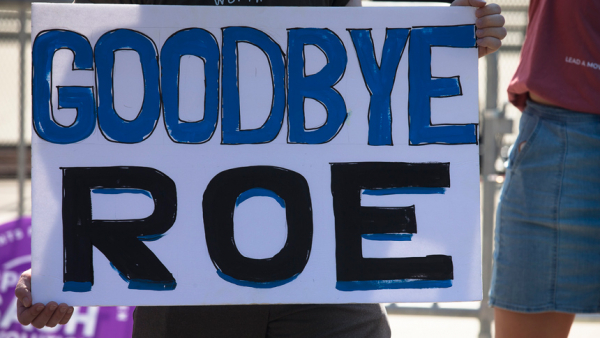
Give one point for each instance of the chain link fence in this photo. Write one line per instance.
(14, 26)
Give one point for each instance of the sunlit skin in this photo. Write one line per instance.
(511, 324)
(489, 23)
(535, 97)
(38, 315)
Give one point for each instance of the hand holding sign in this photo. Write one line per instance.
(38, 315)
(490, 25)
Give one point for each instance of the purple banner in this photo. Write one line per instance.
(15, 257)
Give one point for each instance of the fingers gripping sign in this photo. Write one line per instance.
(490, 25)
(38, 315)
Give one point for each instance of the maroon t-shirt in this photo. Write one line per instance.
(560, 60)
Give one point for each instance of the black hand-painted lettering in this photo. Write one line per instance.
(218, 206)
(118, 240)
(348, 180)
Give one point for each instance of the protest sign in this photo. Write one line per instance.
(206, 155)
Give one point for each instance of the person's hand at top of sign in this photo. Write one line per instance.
(38, 315)
(489, 23)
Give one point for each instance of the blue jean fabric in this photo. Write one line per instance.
(547, 237)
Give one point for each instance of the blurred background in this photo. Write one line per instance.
(498, 129)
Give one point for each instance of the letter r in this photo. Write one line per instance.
(119, 240)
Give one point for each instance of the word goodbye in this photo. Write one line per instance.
(291, 85)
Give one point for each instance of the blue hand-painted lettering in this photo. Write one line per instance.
(113, 127)
(80, 98)
(318, 86)
(379, 79)
(423, 87)
(232, 132)
(200, 43)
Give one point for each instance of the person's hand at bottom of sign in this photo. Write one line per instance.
(489, 23)
(38, 315)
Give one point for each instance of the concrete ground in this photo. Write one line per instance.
(403, 326)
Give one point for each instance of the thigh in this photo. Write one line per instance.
(223, 321)
(525, 325)
(150, 321)
(328, 320)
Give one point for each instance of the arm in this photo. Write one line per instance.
(490, 25)
(38, 315)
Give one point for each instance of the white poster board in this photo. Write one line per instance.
(205, 155)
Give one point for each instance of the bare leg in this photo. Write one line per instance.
(511, 324)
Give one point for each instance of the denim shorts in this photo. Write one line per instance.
(547, 236)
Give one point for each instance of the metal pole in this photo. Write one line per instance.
(489, 151)
(486, 314)
(491, 84)
(21, 156)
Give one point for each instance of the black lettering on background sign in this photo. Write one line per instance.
(218, 206)
(118, 240)
(348, 180)
(384, 220)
